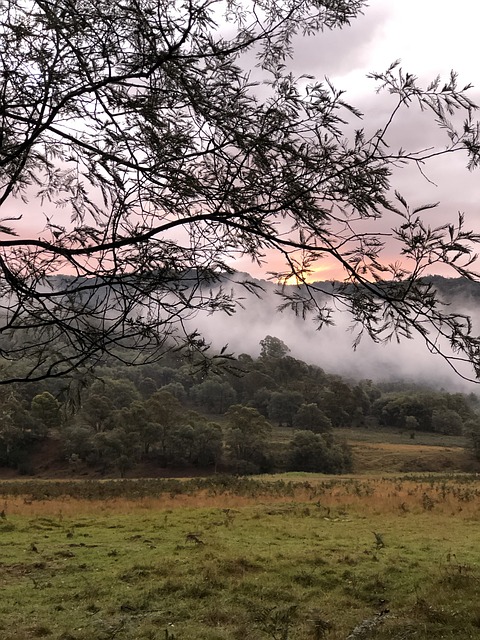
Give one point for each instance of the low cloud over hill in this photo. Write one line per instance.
(331, 347)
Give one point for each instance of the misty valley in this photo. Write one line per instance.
(256, 496)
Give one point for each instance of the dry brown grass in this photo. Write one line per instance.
(69, 507)
(384, 457)
(452, 496)
(229, 560)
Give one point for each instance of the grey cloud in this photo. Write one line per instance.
(339, 51)
(331, 347)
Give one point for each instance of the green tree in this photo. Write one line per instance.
(103, 399)
(472, 430)
(181, 445)
(79, 442)
(215, 396)
(287, 372)
(166, 375)
(247, 439)
(392, 410)
(313, 452)
(177, 390)
(261, 400)
(165, 415)
(118, 392)
(196, 442)
(272, 347)
(411, 424)
(461, 404)
(135, 419)
(207, 444)
(283, 406)
(447, 421)
(147, 386)
(249, 384)
(310, 417)
(123, 464)
(97, 412)
(46, 408)
(112, 448)
(19, 430)
(344, 405)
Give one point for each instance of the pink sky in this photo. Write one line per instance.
(431, 37)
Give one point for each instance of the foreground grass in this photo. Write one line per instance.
(286, 560)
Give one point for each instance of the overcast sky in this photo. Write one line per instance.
(431, 37)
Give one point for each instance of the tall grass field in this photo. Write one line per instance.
(233, 559)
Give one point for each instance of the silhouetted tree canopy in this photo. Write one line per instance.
(272, 347)
(135, 131)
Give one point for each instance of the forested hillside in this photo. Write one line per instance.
(269, 414)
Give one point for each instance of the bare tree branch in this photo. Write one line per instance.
(135, 130)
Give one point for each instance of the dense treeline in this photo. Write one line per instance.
(174, 416)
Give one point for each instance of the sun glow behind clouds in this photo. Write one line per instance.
(320, 272)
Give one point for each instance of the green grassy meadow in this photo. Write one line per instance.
(296, 558)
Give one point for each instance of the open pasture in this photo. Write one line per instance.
(296, 558)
